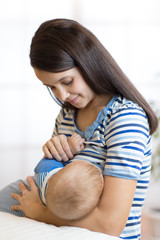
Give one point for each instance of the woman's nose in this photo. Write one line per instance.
(62, 94)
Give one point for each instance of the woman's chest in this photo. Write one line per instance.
(84, 119)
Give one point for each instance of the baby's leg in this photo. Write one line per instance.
(6, 201)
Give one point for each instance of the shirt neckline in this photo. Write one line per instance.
(88, 132)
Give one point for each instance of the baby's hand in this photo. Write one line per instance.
(76, 143)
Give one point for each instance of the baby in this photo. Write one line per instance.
(70, 191)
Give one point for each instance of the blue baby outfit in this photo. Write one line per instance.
(44, 170)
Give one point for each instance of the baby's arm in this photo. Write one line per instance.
(76, 143)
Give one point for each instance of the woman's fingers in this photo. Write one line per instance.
(50, 151)
(58, 148)
(23, 187)
(29, 199)
(16, 207)
(65, 146)
(16, 196)
(47, 152)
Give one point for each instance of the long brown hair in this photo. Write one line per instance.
(62, 44)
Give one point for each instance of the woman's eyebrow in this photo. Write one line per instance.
(61, 79)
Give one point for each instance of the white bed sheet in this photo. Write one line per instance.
(18, 228)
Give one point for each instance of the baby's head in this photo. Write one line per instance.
(74, 191)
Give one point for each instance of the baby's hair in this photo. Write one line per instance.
(75, 190)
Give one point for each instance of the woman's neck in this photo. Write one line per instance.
(86, 116)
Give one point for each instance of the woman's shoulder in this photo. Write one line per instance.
(126, 117)
(123, 110)
(123, 105)
(119, 110)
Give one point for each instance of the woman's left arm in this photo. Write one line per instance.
(112, 212)
(110, 216)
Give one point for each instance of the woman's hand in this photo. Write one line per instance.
(58, 148)
(29, 202)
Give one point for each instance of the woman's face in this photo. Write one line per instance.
(68, 86)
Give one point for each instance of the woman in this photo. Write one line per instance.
(102, 105)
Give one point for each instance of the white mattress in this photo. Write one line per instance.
(18, 228)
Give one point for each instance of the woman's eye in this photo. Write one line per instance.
(69, 82)
(52, 87)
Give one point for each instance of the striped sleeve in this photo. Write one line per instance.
(58, 122)
(126, 137)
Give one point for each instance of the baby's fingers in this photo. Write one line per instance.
(82, 146)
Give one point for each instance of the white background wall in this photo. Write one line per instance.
(130, 30)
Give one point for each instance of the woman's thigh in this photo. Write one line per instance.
(6, 201)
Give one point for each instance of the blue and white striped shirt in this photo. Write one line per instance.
(119, 143)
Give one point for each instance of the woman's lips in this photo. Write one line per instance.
(74, 100)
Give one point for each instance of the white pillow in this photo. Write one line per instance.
(19, 228)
